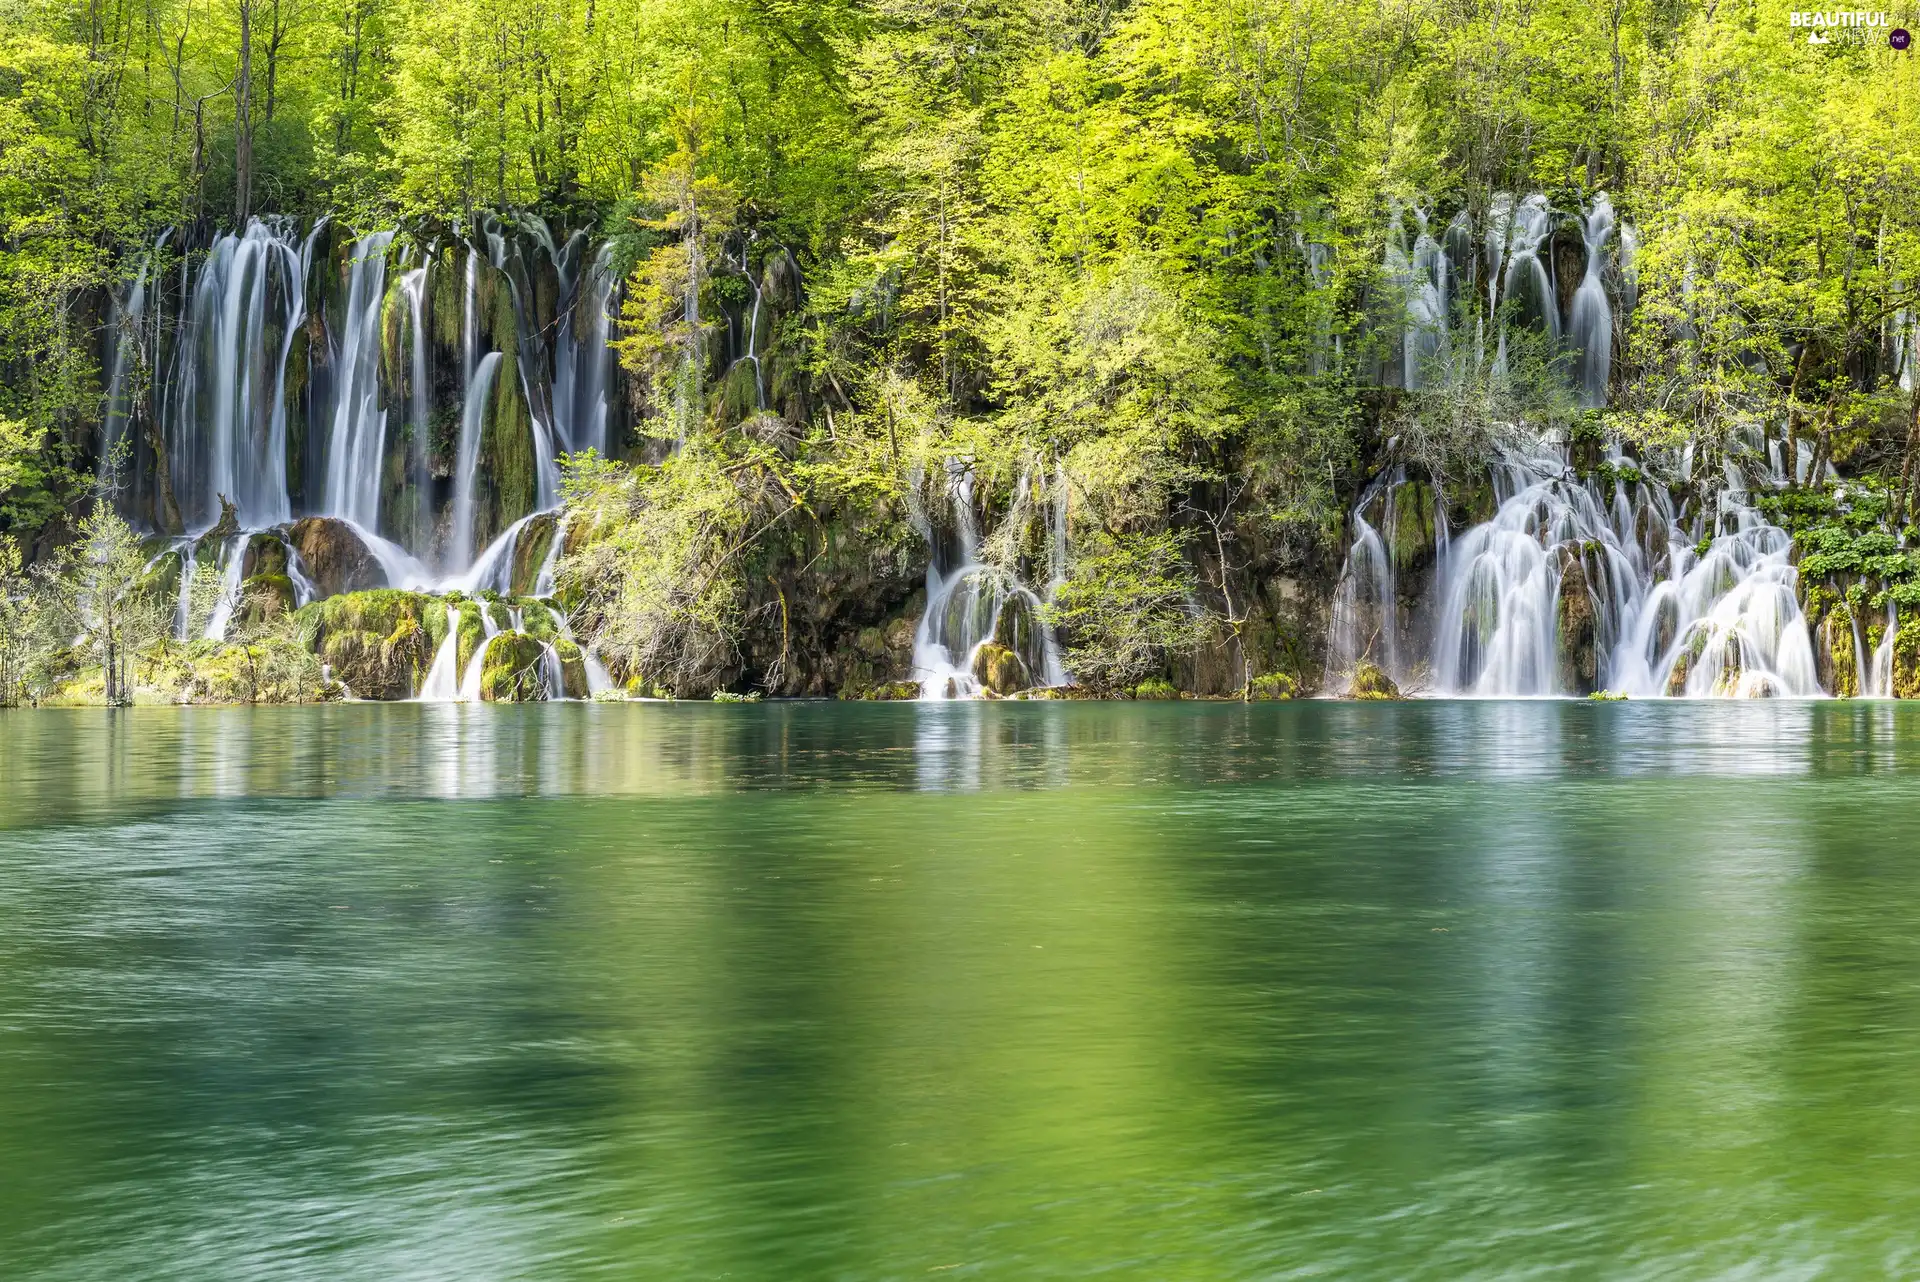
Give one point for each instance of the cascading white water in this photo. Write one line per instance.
(413, 287)
(1516, 235)
(1566, 590)
(1365, 598)
(183, 596)
(531, 361)
(583, 366)
(443, 678)
(232, 559)
(467, 462)
(493, 570)
(1419, 278)
(973, 604)
(225, 420)
(1590, 324)
(476, 666)
(125, 327)
(356, 447)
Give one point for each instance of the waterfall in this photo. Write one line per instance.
(225, 420)
(467, 463)
(1880, 682)
(583, 368)
(543, 580)
(1419, 279)
(1365, 599)
(183, 598)
(413, 286)
(531, 358)
(443, 680)
(124, 329)
(357, 446)
(972, 605)
(1590, 327)
(305, 590)
(493, 571)
(1582, 584)
(1516, 234)
(232, 558)
(476, 666)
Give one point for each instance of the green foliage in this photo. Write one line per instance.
(660, 582)
(1126, 608)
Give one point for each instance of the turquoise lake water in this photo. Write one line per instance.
(821, 991)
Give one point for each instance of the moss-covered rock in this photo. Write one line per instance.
(1059, 693)
(335, 558)
(573, 669)
(511, 672)
(1370, 681)
(886, 692)
(999, 670)
(379, 643)
(1411, 533)
(1154, 688)
(266, 553)
(1272, 686)
(530, 552)
(1906, 660)
(1835, 657)
(162, 577)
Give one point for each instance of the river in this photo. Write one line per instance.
(818, 991)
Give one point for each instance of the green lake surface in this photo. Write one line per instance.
(821, 991)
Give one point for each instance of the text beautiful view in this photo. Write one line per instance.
(877, 639)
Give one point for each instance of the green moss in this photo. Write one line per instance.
(1370, 681)
(573, 668)
(530, 551)
(506, 450)
(999, 670)
(1154, 688)
(885, 692)
(510, 672)
(380, 642)
(1273, 685)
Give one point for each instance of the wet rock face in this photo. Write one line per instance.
(1576, 626)
(335, 558)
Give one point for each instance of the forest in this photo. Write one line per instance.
(1148, 348)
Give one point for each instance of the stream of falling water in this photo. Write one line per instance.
(971, 604)
(1580, 584)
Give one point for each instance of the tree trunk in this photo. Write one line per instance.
(243, 120)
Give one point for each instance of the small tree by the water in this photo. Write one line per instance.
(93, 594)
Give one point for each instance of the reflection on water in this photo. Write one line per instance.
(817, 991)
(70, 761)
